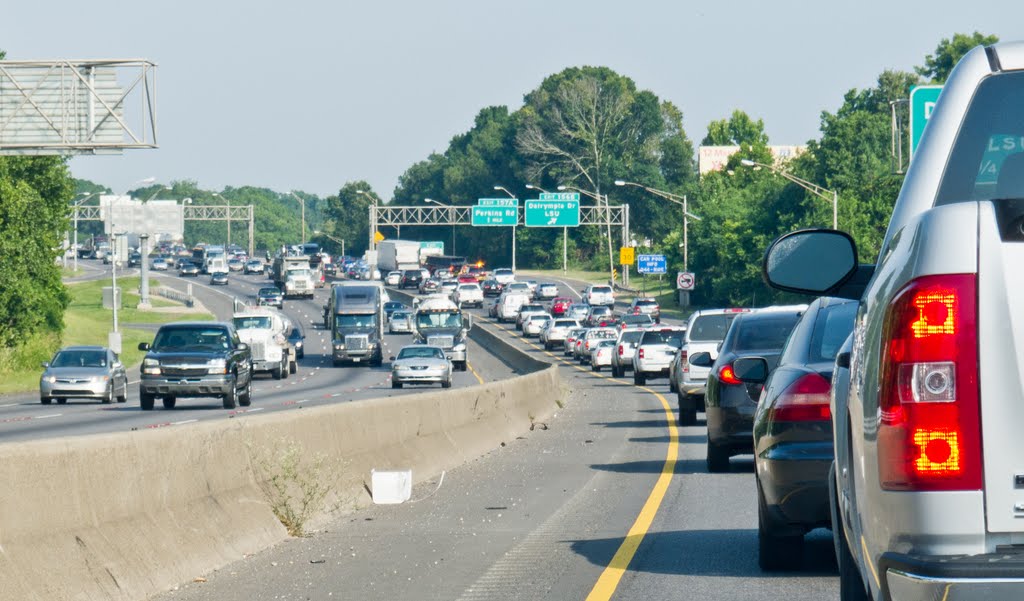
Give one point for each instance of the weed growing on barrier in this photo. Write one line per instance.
(295, 485)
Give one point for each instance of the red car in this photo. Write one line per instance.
(467, 279)
(559, 306)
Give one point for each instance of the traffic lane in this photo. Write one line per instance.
(574, 288)
(500, 527)
(316, 383)
(706, 528)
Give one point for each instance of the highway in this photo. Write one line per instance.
(608, 499)
(23, 417)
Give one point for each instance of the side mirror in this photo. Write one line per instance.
(144, 346)
(117, 365)
(810, 261)
(241, 346)
(842, 360)
(702, 359)
(391, 358)
(45, 364)
(751, 370)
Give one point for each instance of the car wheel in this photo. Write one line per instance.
(146, 401)
(395, 384)
(717, 459)
(169, 402)
(292, 367)
(123, 397)
(278, 372)
(639, 378)
(463, 365)
(61, 400)
(775, 552)
(245, 399)
(231, 398)
(45, 400)
(302, 354)
(447, 383)
(672, 385)
(616, 372)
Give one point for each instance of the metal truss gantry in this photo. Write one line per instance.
(189, 213)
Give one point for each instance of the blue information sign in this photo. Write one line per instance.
(651, 264)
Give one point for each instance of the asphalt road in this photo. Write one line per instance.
(609, 481)
(23, 417)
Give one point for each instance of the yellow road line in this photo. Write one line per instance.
(478, 378)
(606, 584)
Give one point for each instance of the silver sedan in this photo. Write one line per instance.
(421, 364)
(91, 372)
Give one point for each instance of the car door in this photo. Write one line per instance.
(241, 359)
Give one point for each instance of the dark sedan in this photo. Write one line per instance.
(411, 278)
(729, 403)
(793, 431)
(492, 287)
(297, 339)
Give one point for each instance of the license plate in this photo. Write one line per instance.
(356, 360)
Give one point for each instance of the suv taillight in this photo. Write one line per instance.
(805, 400)
(727, 376)
(640, 352)
(621, 350)
(929, 436)
(684, 361)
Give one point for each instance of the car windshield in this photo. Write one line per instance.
(420, 352)
(367, 320)
(439, 320)
(764, 332)
(269, 291)
(711, 328)
(179, 339)
(399, 315)
(80, 359)
(673, 338)
(257, 322)
(298, 272)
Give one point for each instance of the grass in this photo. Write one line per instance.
(87, 322)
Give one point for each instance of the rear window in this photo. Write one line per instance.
(632, 335)
(831, 329)
(645, 302)
(987, 161)
(711, 328)
(601, 289)
(671, 338)
(763, 332)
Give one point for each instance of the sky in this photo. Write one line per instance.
(305, 95)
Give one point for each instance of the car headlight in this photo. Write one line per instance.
(98, 379)
(151, 367)
(50, 379)
(217, 366)
(339, 347)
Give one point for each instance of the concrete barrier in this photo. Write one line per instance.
(125, 516)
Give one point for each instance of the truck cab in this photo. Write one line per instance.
(355, 313)
(266, 331)
(438, 321)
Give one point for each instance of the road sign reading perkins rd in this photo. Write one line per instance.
(487, 216)
(553, 212)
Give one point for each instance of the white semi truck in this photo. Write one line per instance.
(439, 322)
(265, 330)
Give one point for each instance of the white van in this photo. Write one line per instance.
(216, 265)
(509, 304)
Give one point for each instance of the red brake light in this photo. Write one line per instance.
(727, 376)
(684, 361)
(804, 400)
(621, 351)
(640, 353)
(929, 436)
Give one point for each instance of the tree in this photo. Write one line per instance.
(347, 216)
(949, 52)
(738, 129)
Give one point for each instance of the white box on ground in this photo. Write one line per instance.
(391, 487)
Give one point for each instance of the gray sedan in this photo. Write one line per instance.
(421, 364)
(91, 372)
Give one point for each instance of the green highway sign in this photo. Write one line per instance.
(552, 213)
(494, 215)
(922, 101)
(497, 202)
(559, 196)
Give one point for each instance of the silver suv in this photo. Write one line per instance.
(654, 353)
(927, 488)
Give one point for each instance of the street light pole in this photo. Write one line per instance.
(811, 187)
(511, 195)
(302, 201)
(330, 237)
(451, 218)
(607, 220)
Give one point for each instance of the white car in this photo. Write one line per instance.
(601, 354)
(556, 332)
(625, 348)
(393, 278)
(504, 275)
(590, 339)
(535, 323)
(400, 321)
(468, 295)
(526, 311)
(599, 294)
(546, 291)
(654, 353)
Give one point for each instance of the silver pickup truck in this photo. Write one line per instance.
(927, 487)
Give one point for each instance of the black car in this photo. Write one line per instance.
(219, 279)
(793, 431)
(196, 359)
(270, 296)
(430, 285)
(492, 287)
(296, 338)
(411, 278)
(729, 403)
(134, 259)
(392, 306)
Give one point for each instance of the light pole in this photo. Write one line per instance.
(608, 219)
(687, 215)
(511, 195)
(451, 217)
(811, 187)
(330, 237)
(302, 202)
(184, 201)
(373, 217)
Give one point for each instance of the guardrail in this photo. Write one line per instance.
(182, 297)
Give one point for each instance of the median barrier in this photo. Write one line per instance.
(125, 516)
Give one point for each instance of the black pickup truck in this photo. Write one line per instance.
(196, 359)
